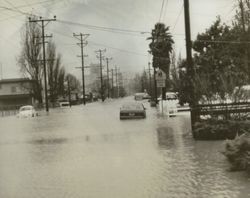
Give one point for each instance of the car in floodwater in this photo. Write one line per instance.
(64, 103)
(27, 111)
(132, 110)
(139, 96)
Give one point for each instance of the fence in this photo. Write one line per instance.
(9, 110)
(222, 111)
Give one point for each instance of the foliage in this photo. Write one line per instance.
(30, 58)
(161, 47)
(74, 83)
(237, 152)
(174, 81)
(56, 73)
(221, 56)
(140, 83)
(214, 129)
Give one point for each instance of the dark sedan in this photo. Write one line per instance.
(132, 110)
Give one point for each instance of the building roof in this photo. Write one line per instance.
(15, 80)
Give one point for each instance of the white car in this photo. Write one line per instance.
(139, 96)
(171, 108)
(27, 111)
(64, 103)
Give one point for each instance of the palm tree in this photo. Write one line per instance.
(161, 47)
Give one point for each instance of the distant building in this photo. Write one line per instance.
(15, 92)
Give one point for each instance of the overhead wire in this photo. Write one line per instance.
(162, 5)
(223, 41)
(37, 3)
(165, 12)
(100, 27)
(178, 17)
(118, 49)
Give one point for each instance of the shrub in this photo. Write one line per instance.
(237, 152)
(219, 129)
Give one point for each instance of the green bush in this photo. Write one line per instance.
(237, 152)
(213, 129)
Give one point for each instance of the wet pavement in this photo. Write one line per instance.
(87, 152)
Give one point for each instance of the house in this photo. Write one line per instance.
(15, 92)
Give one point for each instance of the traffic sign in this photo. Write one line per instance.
(161, 83)
(160, 75)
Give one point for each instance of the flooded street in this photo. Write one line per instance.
(88, 152)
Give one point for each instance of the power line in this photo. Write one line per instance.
(164, 16)
(41, 2)
(15, 10)
(122, 50)
(162, 5)
(223, 41)
(118, 30)
(178, 17)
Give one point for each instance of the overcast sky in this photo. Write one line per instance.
(128, 50)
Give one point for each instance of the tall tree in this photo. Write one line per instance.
(56, 73)
(29, 59)
(216, 58)
(74, 83)
(161, 47)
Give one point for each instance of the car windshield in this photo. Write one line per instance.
(171, 96)
(132, 106)
(26, 108)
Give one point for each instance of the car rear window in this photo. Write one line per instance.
(25, 108)
(132, 107)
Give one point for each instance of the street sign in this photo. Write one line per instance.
(161, 83)
(160, 75)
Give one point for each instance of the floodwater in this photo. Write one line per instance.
(87, 152)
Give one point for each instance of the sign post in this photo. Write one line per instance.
(161, 83)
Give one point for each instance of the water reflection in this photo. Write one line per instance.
(49, 141)
(165, 137)
(82, 152)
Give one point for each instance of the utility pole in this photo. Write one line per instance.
(100, 56)
(82, 38)
(107, 60)
(190, 66)
(69, 92)
(44, 55)
(112, 82)
(245, 32)
(1, 71)
(116, 80)
(150, 82)
(155, 87)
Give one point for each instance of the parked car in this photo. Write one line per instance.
(172, 109)
(27, 111)
(64, 103)
(139, 96)
(170, 96)
(146, 96)
(132, 110)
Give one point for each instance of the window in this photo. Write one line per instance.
(13, 89)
